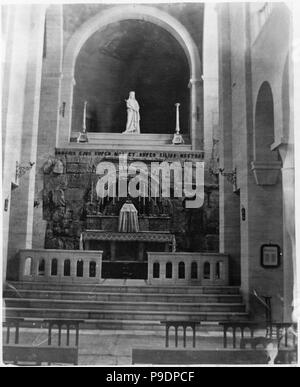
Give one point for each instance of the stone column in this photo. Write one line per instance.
(73, 267)
(229, 207)
(196, 113)
(210, 81)
(60, 267)
(86, 269)
(289, 254)
(65, 121)
(49, 114)
(31, 26)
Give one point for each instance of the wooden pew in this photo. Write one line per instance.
(275, 337)
(178, 324)
(59, 353)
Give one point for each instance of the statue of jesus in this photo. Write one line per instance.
(133, 114)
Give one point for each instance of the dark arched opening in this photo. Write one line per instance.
(264, 125)
(92, 269)
(54, 267)
(131, 55)
(67, 268)
(194, 270)
(156, 268)
(206, 270)
(79, 271)
(181, 270)
(169, 270)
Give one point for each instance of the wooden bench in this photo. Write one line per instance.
(275, 334)
(220, 356)
(178, 324)
(59, 353)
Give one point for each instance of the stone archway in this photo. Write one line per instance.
(134, 12)
(266, 165)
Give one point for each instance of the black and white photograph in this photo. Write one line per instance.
(148, 186)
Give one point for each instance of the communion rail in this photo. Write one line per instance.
(202, 269)
(60, 266)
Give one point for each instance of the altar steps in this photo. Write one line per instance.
(123, 307)
(134, 297)
(139, 142)
(124, 286)
(126, 307)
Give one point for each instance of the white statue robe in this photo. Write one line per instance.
(133, 116)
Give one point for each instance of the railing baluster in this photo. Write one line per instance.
(234, 337)
(68, 334)
(8, 333)
(50, 334)
(194, 334)
(17, 333)
(167, 335)
(176, 335)
(224, 336)
(77, 334)
(59, 334)
(184, 336)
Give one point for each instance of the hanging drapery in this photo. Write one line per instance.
(128, 218)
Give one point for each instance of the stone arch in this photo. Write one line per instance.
(266, 165)
(285, 96)
(134, 12)
(264, 123)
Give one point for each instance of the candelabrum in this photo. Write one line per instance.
(82, 137)
(22, 169)
(230, 177)
(177, 139)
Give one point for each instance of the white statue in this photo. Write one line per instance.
(133, 114)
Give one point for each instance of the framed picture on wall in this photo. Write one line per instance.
(270, 256)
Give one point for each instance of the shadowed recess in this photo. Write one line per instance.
(131, 55)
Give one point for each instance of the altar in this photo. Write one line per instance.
(125, 253)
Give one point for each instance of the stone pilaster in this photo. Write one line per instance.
(49, 112)
(21, 208)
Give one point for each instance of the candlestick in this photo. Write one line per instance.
(84, 117)
(82, 137)
(177, 139)
(177, 130)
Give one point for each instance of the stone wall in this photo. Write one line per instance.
(255, 217)
(68, 198)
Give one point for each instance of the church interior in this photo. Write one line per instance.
(148, 279)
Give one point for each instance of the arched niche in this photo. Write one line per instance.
(266, 165)
(264, 124)
(131, 55)
(147, 14)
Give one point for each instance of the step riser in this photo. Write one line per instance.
(109, 315)
(124, 297)
(192, 290)
(125, 307)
